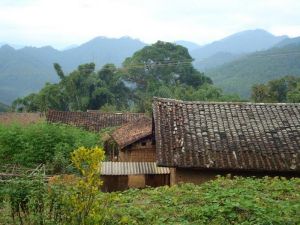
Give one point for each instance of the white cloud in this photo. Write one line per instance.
(64, 22)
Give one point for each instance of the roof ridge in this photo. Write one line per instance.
(156, 99)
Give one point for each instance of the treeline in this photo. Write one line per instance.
(286, 89)
(162, 69)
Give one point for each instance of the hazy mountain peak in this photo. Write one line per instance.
(188, 44)
(288, 41)
(242, 42)
(7, 47)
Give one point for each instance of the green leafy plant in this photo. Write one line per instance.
(42, 143)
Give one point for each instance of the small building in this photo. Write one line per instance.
(202, 139)
(132, 142)
(132, 158)
(118, 176)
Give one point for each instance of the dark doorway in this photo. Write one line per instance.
(156, 180)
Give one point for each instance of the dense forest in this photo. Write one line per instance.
(285, 89)
(162, 69)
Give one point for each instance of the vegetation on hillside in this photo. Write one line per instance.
(260, 67)
(222, 201)
(286, 89)
(162, 69)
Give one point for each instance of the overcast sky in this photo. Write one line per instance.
(65, 22)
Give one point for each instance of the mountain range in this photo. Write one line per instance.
(234, 63)
(232, 47)
(26, 70)
(239, 75)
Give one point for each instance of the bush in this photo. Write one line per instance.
(66, 199)
(42, 143)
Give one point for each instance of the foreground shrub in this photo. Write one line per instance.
(88, 164)
(222, 201)
(66, 199)
(42, 143)
(225, 201)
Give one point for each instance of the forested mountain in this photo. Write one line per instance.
(232, 47)
(162, 69)
(259, 67)
(216, 60)
(26, 70)
(288, 41)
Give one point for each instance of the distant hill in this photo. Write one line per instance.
(12, 45)
(288, 41)
(3, 107)
(232, 47)
(216, 60)
(238, 76)
(26, 70)
(191, 46)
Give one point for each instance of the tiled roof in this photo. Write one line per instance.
(236, 136)
(93, 121)
(132, 168)
(132, 131)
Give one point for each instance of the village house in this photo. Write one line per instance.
(132, 155)
(195, 141)
(130, 149)
(200, 140)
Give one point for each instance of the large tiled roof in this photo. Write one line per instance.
(132, 168)
(236, 136)
(93, 121)
(132, 132)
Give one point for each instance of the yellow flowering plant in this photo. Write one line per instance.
(88, 163)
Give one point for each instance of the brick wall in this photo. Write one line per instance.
(142, 151)
(136, 181)
(193, 176)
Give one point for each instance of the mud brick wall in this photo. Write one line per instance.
(139, 152)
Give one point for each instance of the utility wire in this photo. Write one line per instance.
(166, 63)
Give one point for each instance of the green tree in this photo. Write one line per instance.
(285, 89)
(260, 93)
(164, 62)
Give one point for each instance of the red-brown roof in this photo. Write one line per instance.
(237, 136)
(93, 121)
(132, 132)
